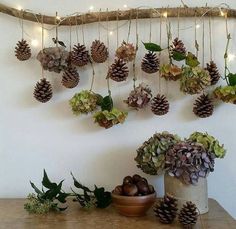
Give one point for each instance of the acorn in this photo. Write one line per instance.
(130, 189)
(151, 189)
(144, 180)
(118, 190)
(143, 187)
(128, 180)
(136, 178)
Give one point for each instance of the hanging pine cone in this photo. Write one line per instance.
(188, 215)
(203, 106)
(118, 71)
(166, 209)
(160, 105)
(70, 77)
(178, 46)
(22, 50)
(43, 91)
(79, 55)
(213, 71)
(99, 52)
(150, 63)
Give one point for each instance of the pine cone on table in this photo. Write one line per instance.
(214, 72)
(118, 71)
(188, 215)
(166, 209)
(22, 50)
(70, 77)
(203, 106)
(79, 55)
(150, 63)
(43, 91)
(160, 105)
(99, 52)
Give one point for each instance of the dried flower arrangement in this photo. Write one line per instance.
(186, 159)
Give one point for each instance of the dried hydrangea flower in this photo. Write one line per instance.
(126, 52)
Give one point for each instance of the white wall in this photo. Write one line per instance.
(36, 136)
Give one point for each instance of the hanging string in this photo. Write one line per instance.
(134, 62)
(70, 33)
(56, 22)
(83, 17)
(42, 26)
(203, 42)
(195, 35)
(99, 24)
(228, 36)
(150, 26)
(117, 28)
(76, 30)
(210, 38)
(178, 23)
(130, 21)
(108, 62)
(22, 23)
(160, 41)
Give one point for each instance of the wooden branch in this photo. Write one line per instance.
(123, 15)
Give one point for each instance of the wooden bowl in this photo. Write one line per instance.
(133, 205)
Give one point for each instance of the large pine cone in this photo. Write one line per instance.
(160, 105)
(178, 46)
(188, 215)
(150, 63)
(79, 55)
(43, 91)
(99, 52)
(22, 50)
(70, 77)
(118, 71)
(203, 106)
(166, 209)
(213, 71)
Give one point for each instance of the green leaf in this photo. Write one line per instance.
(103, 198)
(52, 193)
(99, 99)
(62, 197)
(153, 47)
(107, 103)
(46, 182)
(178, 56)
(232, 79)
(191, 60)
(80, 186)
(36, 189)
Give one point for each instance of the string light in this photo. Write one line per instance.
(231, 57)
(125, 6)
(19, 8)
(91, 8)
(111, 33)
(198, 26)
(165, 14)
(58, 17)
(34, 42)
(222, 13)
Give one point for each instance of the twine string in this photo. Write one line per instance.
(195, 34)
(83, 18)
(160, 41)
(130, 22)
(210, 37)
(76, 30)
(117, 28)
(70, 34)
(203, 42)
(178, 18)
(42, 27)
(150, 26)
(56, 22)
(108, 62)
(99, 24)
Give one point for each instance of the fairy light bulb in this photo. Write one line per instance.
(111, 33)
(19, 7)
(165, 14)
(34, 42)
(198, 26)
(91, 8)
(231, 57)
(58, 18)
(125, 6)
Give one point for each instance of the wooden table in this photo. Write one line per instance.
(13, 216)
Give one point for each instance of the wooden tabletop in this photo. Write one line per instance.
(13, 216)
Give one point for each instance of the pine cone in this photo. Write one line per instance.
(160, 105)
(150, 63)
(203, 106)
(166, 209)
(178, 46)
(118, 71)
(22, 50)
(70, 77)
(79, 55)
(213, 71)
(99, 52)
(43, 91)
(188, 215)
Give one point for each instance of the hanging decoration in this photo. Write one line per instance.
(22, 49)
(43, 89)
(70, 77)
(160, 105)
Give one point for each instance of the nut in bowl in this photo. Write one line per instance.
(134, 197)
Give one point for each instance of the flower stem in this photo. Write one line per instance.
(168, 28)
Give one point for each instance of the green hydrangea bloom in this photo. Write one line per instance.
(227, 94)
